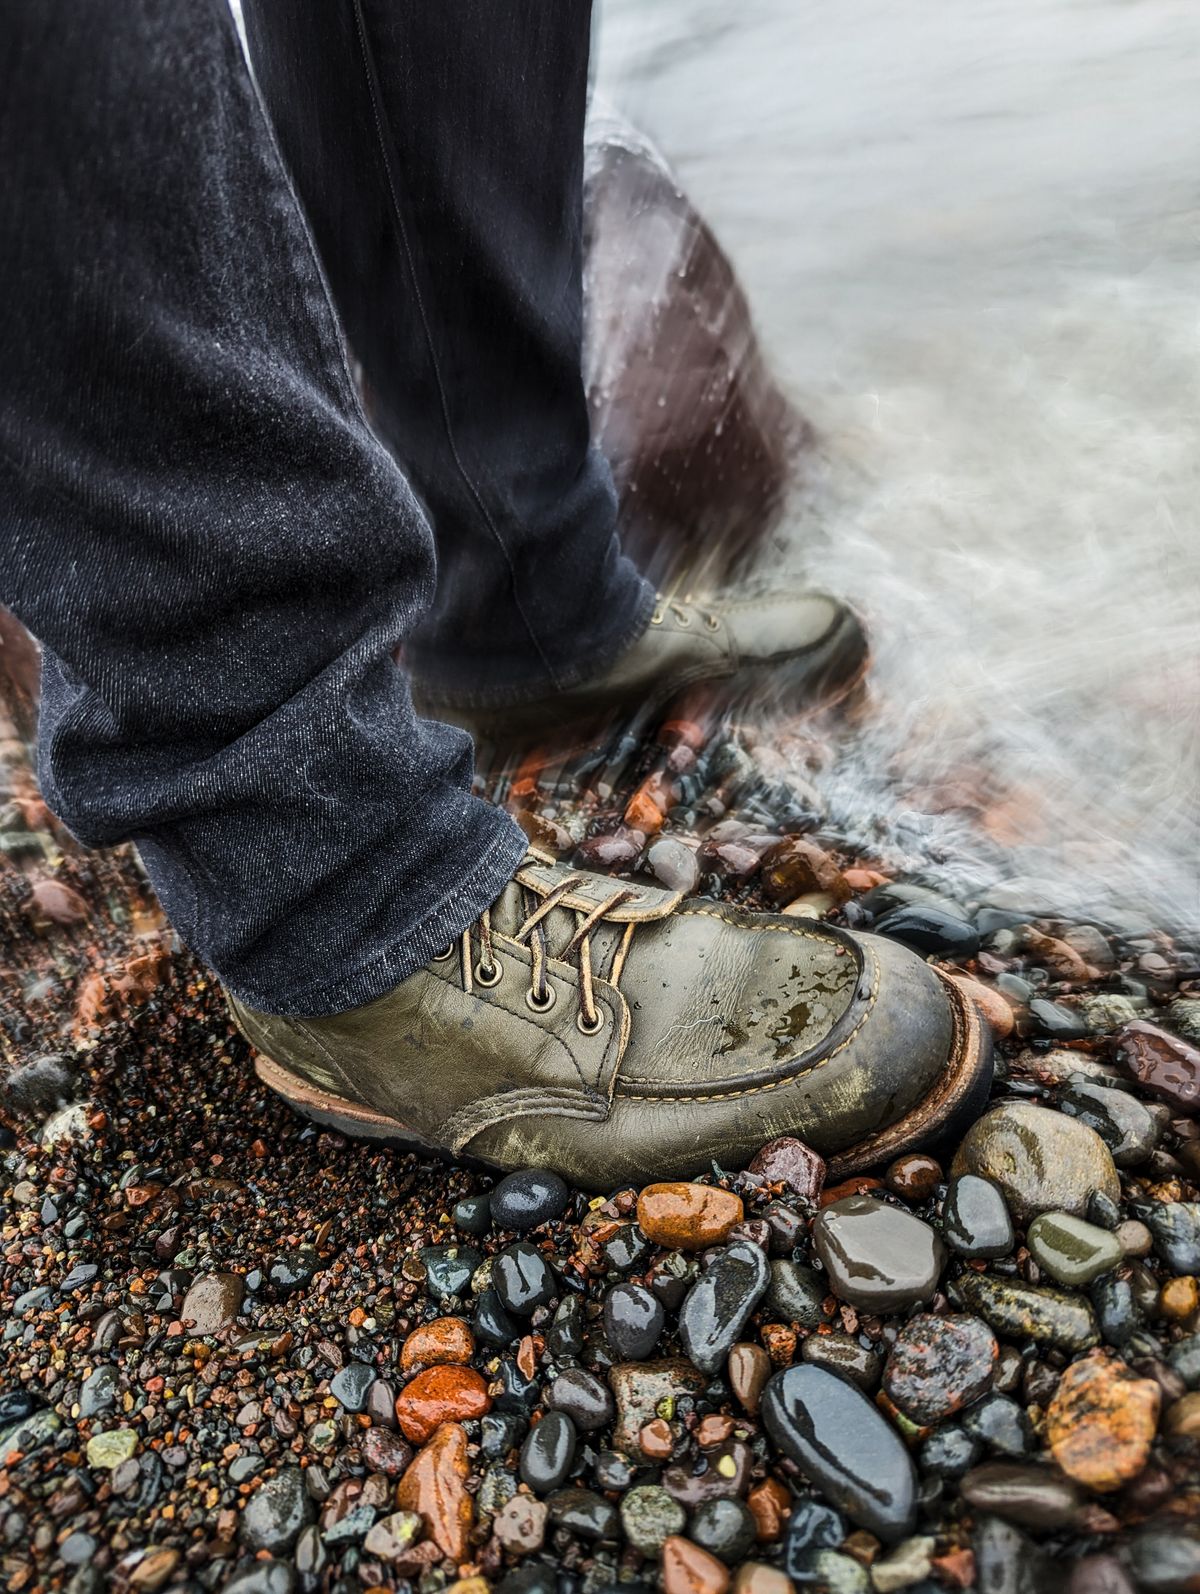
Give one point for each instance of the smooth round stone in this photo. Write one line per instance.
(938, 1365)
(565, 1333)
(1056, 1021)
(724, 1527)
(687, 1217)
(1006, 1562)
(1181, 1425)
(950, 1452)
(1167, 1066)
(1099, 1574)
(796, 1294)
(212, 1302)
(548, 1453)
(1117, 1310)
(448, 1269)
(1175, 1226)
(473, 1214)
(275, 1513)
(687, 1569)
(442, 1342)
(930, 930)
(842, 1354)
(1124, 1125)
(1001, 1424)
(99, 1391)
(583, 1513)
(1103, 1212)
(106, 1451)
(1071, 1251)
(1134, 1238)
(437, 1395)
(649, 1515)
(499, 1431)
(582, 1397)
(1042, 1160)
(393, 1535)
(1165, 1561)
(349, 1387)
(748, 1369)
(976, 1222)
(1026, 1311)
(841, 1441)
(526, 1199)
(813, 1525)
(1184, 1357)
(831, 1572)
(674, 865)
(914, 1177)
(263, 1577)
(719, 1304)
(633, 1321)
(878, 1257)
(523, 1280)
(756, 1577)
(1032, 1496)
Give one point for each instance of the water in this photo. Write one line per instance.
(970, 236)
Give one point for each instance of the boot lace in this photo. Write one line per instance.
(684, 609)
(486, 971)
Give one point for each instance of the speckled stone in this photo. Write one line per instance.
(938, 1365)
(1025, 1311)
(1101, 1423)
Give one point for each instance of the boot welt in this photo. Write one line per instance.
(958, 1098)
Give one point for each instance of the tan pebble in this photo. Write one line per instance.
(749, 1369)
(1181, 1425)
(1179, 1298)
(435, 1488)
(754, 1577)
(655, 1439)
(687, 1569)
(687, 1217)
(1134, 1238)
(443, 1341)
(992, 1004)
(1101, 1422)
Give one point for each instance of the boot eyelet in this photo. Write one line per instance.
(544, 1006)
(584, 1028)
(488, 977)
(683, 617)
(447, 951)
(713, 623)
(657, 617)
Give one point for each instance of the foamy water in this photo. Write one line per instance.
(970, 236)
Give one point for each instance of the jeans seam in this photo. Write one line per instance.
(371, 76)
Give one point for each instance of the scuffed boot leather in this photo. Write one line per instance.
(617, 1032)
(807, 648)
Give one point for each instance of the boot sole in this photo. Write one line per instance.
(960, 1097)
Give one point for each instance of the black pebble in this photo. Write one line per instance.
(633, 1321)
(524, 1200)
(523, 1280)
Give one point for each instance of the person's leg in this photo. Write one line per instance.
(216, 553)
(438, 151)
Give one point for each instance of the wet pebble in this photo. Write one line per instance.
(840, 1440)
(842, 1354)
(633, 1321)
(1101, 1423)
(1175, 1228)
(789, 1161)
(1165, 1560)
(720, 1303)
(526, 1199)
(1162, 1063)
(1042, 1160)
(262, 1577)
(445, 1340)
(687, 1217)
(448, 1269)
(687, 1569)
(390, 1537)
(1025, 1311)
(949, 1452)
(878, 1257)
(914, 1177)
(640, 1388)
(274, 1514)
(520, 1525)
(938, 1365)
(1032, 1496)
(930, 930)
(582, 1397)
(649, 1516)
(724, 1527)
(748, 1369)
(548, 1453)
(1000, 1424)
(1070, 1250)
(1121, 1121)
(349, 1386)
(796, 1294)
(583, 1513)
(674, 865)
(438, 1395)
(523, 1280)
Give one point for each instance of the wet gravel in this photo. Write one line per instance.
(240, 1352)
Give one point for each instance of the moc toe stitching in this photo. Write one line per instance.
(799, 1069)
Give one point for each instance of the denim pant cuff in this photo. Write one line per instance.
(475, 889)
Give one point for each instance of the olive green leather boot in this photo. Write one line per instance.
(805, 648)
(619, 1033)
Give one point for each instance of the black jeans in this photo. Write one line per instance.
(217, 552)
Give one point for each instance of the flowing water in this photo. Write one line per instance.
(970, 238)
